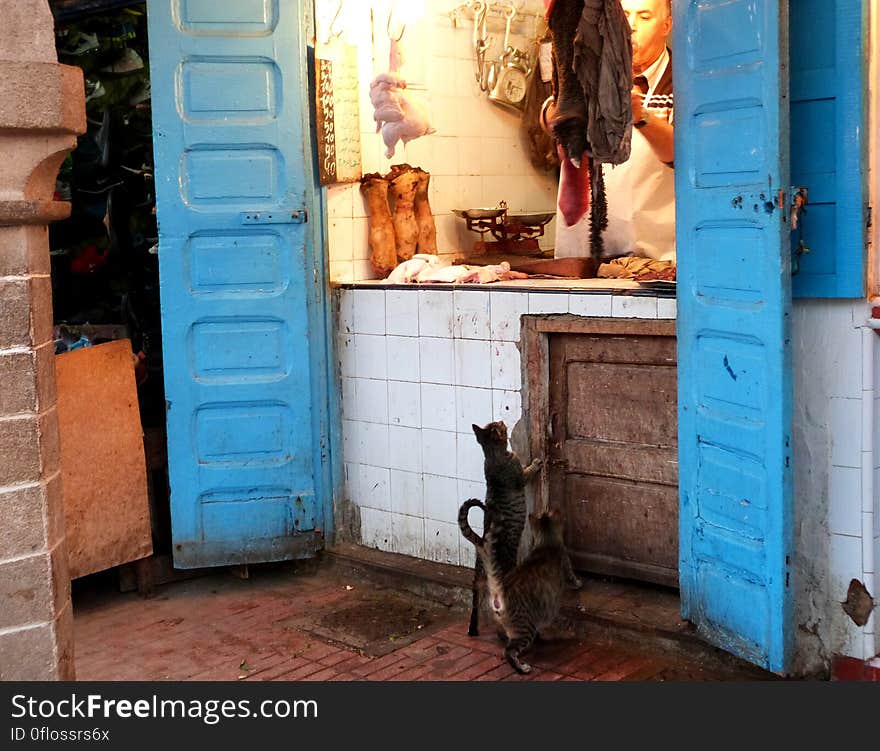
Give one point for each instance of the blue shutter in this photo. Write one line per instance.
(827, 135)
(238, 280)
(734, 360)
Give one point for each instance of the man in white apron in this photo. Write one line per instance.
(641, 191)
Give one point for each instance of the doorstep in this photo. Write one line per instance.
(602, 608)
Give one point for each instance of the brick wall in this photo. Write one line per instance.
(41, 110)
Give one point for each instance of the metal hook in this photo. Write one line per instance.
(481, 41)
(330, 32)
(388, 26)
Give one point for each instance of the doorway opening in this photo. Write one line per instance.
(105, 285)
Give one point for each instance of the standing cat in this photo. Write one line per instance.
(505, 507)
(526, 599)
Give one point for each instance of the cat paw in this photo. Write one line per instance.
(575, 583)
(524, 668)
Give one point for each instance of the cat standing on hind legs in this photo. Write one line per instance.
(505, 507)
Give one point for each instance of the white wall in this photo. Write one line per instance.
(419, 366)
(475, 158)
(835, 358)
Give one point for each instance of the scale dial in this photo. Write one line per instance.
(514, 85)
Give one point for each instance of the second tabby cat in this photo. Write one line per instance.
(527, 598)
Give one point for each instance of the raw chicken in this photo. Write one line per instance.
(398, 114)
(426, 268)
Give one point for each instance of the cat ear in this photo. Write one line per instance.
(478, 431)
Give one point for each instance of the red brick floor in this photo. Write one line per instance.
(269, 627)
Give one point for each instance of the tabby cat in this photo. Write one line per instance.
(505, 507)
(526, 599)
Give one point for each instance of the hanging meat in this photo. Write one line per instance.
(591, 117)
(383, 253)
(592, 47)
(424, 216)
(399, 115)
(404, 181)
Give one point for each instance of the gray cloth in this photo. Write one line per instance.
(602, 61)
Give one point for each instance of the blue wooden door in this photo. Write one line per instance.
(828, 126)
(238, 280)
(734, 366)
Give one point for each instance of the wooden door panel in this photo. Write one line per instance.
(625, 521)
(609, 402)
(622, 462)
(614, 450)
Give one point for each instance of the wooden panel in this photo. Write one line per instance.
(103, 469)
(623, 520)
(609, 402)
(613, 448)
(624, 461)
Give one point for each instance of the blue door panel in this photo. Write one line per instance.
(827, 145)
(239, 364)
(734, 297)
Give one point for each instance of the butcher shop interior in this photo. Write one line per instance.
(463, 178)
(487, 265)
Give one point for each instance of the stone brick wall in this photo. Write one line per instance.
(42, 107)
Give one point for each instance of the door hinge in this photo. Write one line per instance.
(283, 216)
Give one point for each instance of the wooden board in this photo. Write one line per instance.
(103, 469)
(613, 455)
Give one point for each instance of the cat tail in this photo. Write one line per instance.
(465, 526)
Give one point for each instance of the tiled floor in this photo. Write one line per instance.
(320, 625)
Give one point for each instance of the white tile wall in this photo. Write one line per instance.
(408, 535)
(846, 432)
(371, 356)
(437, 360)
(441, 542)
(548, 302)
(373, 485)
(472, 406)
(631, 306)
(405, 404)
(403, 358)
(402, 313)
(441, 498)
(438, 452)
(438, 407)
(405, 448)
(407, 439)
(471, 314)
(407, 493)
(506, 372)
(473, 366)
(585, 304)
(436, 310)
(506, 309)
(667, 307)
(845, 501)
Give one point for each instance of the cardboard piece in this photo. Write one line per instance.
(103, 470)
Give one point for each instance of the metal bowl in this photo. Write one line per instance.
(530, 220)
(479, 213)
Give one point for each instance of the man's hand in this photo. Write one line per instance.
(638, 99)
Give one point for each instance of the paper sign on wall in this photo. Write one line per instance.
(337, 113)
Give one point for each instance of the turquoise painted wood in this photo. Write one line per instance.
(734, 301)
(828, 84)
(243, 323)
